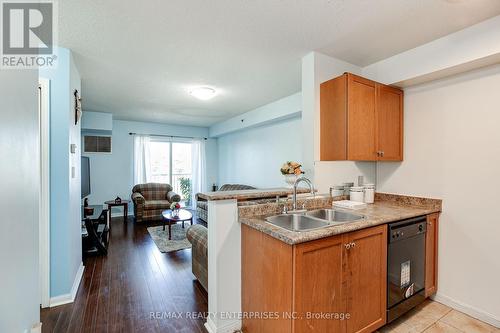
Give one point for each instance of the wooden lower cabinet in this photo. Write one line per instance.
(266, 281)
(431, 254)
(335, 284)
(318, 286)
(366, 279)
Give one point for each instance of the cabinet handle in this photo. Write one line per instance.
(348, 246)
(353, 244)
(382, 153)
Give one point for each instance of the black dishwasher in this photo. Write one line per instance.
(405, 266)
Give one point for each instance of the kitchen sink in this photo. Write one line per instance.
(316, 219)
(333, 215)
(297, 222)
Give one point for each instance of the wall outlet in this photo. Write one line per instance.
(72, 148)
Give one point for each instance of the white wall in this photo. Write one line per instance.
(455, 53)
(338, 172)
(19, 279)
(281, 109)
(254, 156)
(266, 147)
(112, 174)
(452, 151)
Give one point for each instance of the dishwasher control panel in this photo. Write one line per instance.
(406, 229)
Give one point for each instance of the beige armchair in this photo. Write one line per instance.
(151, 199)
(198, 237)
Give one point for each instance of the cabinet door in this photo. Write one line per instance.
(266, 281)
(366, 277)
(431, 253)
(361, 119)
(333, 119)
(389, 123)
(318, 285)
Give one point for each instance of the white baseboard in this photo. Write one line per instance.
(69, 298)
(37, 328)
(467, 309)
(230, 326)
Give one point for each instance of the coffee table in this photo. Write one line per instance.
(184, 215)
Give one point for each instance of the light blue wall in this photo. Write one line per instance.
(97, 121)
(65, 212)
(254, 156)
(19, 279)
(112, 174)
(75, 189)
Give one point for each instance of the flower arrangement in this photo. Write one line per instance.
(175, 205)
(291, 168)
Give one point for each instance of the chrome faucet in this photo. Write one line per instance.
(297, 181)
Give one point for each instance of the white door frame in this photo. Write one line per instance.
(44, 194)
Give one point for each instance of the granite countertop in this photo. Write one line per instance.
(381, 212)
(250, 194)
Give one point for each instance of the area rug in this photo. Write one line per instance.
(178, 241)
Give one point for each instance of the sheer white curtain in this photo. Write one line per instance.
(199, 169)
(142, 165)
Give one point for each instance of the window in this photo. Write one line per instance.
(160, 162)
(171, 163)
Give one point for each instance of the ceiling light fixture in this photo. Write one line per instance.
(203, 93)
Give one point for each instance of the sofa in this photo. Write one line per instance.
(198, 237)
(202, 204)
(151, 199)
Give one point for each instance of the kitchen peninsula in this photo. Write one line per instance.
(334, 278)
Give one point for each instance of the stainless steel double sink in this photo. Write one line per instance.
(315, 219)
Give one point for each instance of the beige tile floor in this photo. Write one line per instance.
(434, 317)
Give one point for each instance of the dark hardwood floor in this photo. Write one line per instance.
(135, 288)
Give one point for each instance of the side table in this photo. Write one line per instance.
(124, 203)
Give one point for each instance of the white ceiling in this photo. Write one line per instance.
(137, 59)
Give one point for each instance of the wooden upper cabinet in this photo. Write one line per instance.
(390, 123)
(360, 120)
(431, 253)
(366, 278)
(333, 119)
(318, 284)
